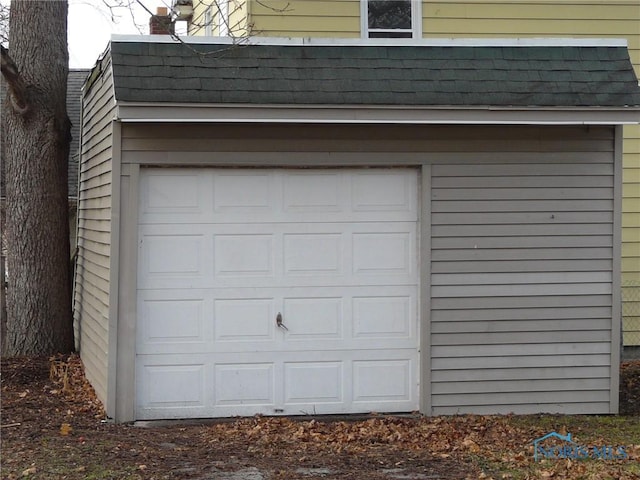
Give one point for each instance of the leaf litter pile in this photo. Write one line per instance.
(53, 427)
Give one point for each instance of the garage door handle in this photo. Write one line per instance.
(279, 322)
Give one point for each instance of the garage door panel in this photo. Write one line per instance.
(174, 196)
(386, 191)
(172, 321)
(328, 252)
(211, 256)
(244, 384)
(383, 252)
(234, 196)
(173, 254)
(383, 317)
(244, 320)
(314, 318)
(237, 193)
(240, 255)
(309, 382)
(313, 383)
(174, 257)
(178, 193)
(314, 192)
(395, 268)
(334, 252)
(385, 381)
(173, 386)
(335, 318)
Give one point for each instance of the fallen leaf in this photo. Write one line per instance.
(65, 429)
(29, 471)
(472, 446)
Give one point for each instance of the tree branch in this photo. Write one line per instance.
(16, 87)
(4, 24)
(284, 9)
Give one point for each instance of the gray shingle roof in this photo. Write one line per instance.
(75, 80)
(459, 76)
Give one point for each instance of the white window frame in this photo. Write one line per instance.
(416, 22)
(223, 18)
(208, 21)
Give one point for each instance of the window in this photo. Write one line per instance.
(391, 18)
(208, 20)
(218, 10)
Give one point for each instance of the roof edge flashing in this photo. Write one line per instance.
(158, 113)
(422, 42)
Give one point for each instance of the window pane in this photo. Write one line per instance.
(389, 14)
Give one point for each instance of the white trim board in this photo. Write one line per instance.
(424, 42)
(240, 113)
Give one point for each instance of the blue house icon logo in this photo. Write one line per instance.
(555, 445)
(540, 450)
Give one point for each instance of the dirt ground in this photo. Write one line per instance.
(52, 427)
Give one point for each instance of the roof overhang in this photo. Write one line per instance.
(358, 114)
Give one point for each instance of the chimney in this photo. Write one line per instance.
(160, 23)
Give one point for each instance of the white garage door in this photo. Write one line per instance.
(276, 292)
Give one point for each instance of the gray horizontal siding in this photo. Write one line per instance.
(521, 245)
(524, 266)
(479, 303)
(520, 374)
(474, 363)
(521, 285)
(196, 144)
(567, 339)
(91, 297)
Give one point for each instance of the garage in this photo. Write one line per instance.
(307, 228)
(277, 292)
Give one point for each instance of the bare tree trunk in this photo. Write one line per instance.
(3, 293)
(3, 303)
(37, 148)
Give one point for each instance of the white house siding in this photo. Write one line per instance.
(92, 281)
(522, 253)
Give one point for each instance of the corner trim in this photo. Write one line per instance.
(424, 314)
(128, 292)
(114, 257)
(616, 281)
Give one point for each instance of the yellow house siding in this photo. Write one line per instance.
(631, 236)
(308, 18)
(565, 18)
(540, 18)
(196, 26)
(238, 18)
